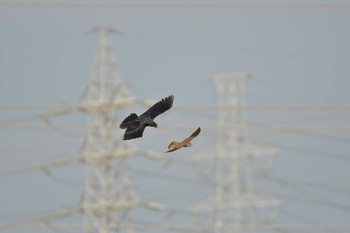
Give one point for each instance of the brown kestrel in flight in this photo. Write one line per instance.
(185, 143)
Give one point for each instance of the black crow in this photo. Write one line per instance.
(135, 125)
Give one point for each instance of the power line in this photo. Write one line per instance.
(266, 127)
(30, 106)
(269, 107)
(303, 183)
(192, 107)
(45, 167)
(313, 201)
(296, 216)
(307, 151)
(179, 227)
(173, 5)
(314, 198)
(321, 136)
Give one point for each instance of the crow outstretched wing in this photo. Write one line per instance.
(131, 119)
(134, 131)
(159, 108)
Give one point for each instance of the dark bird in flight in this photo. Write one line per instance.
(135, 125)
(185, 143)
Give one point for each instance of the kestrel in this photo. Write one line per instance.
(135, 125)
(185, 143)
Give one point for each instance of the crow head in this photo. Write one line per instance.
(154, 124)
(149, 122)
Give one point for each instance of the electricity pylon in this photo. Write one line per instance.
(108, 197)
(234, 203)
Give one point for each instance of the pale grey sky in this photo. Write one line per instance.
(297, 57)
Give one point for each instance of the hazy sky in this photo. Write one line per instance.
(296, 57)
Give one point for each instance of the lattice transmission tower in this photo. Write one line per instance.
(235, 206)
(108, 197)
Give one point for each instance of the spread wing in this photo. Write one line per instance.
(133, 131)
(174, 146)
(159, 108)
(129, 121)
(193, 135)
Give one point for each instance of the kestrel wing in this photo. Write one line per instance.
(193, 135)
(172, 150)
(174, 146)
(159, 108)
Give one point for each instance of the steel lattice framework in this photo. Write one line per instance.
(234, 203)
(108, 196)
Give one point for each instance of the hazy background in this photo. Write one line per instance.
(297, 57)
